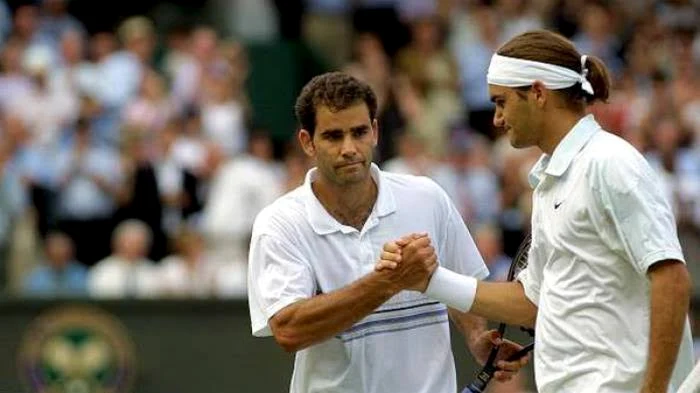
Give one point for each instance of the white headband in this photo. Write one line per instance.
(514, 72)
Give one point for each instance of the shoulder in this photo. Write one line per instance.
(607, 148)
(283, 216)
(616, 163)
(418, 192)
(412, 185)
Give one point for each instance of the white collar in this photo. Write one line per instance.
(566, 150)
(323, 223)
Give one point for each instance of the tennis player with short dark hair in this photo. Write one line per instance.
(312, 283)
(606, 287)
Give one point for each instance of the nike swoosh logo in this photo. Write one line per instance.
(556, 205)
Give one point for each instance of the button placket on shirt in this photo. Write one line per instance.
(365, 244)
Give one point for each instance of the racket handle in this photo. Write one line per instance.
(524, 351)
(483, 379)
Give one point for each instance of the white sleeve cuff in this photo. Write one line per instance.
(452, 289)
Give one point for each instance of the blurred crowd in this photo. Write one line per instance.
(130, 164)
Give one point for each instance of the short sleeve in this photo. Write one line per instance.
(530, 278)
(457, 250)
(277, 277)
(630, 199)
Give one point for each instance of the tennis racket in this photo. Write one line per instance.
(482, 379)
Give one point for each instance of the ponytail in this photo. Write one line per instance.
(599, 77)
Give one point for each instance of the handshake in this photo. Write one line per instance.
(409, 262)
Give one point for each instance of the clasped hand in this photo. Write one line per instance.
(413, 260)
(410, 261)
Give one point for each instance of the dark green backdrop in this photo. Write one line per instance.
(181, 347)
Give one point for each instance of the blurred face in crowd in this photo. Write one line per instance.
(426, 34)
(191, 246)
(26, 20)
(410, 146)
(667, 136)
(487, 23)
(153, 86)
(204, 42)
(11, 57)
(55, 7)
(59, 250)
(516, 114)
(261, 147)
(342, 144)
(72, 47)
(15, 131)
(488, 243)
(596, 21)
(132, 245)
(367, 44)
(168, 135)
(102, 44)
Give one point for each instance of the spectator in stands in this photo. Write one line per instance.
(13, 80)
(55, 21)
(127, 273)
(121, 72)
(490, 244)
(240, 188)
(12, 205)
(473, 58)
(327, 29)
(60, 275)
(189, 271)
(152, 108)
(434, 75)
(140, 196)
(88, 184)
(74, 74)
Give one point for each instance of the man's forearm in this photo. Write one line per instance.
(313, 320)
(504, 302)
(470, 325)
(670, 298)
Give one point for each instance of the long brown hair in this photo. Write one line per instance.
(552, 48)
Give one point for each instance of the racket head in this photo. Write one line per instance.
(519, 262)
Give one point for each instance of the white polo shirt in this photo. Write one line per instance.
(298, 250)
(599, 222)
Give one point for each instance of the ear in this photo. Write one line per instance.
(540, 93)
(307, 142)
(375, 133)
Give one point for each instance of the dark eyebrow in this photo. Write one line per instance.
(359, 128)
(331, 131)
(495, 97)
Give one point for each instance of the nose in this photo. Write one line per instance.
(349, 148)
(498, 120)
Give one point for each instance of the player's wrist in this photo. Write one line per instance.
(390, 286)
(452, 289)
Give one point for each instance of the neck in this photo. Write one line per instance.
(557, 128)
(350, 205)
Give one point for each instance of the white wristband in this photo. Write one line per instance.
(452, 289)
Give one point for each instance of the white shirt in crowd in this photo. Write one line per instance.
(239, 190)
(299, 250)
(600, 220)
(117, 278)
(207, 279)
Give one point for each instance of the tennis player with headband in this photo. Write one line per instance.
(606, 287)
